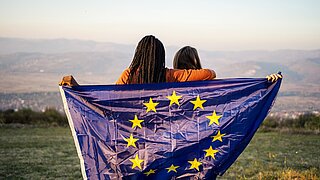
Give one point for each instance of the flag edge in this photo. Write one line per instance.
(73, 132)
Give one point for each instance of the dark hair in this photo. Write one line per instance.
(148, 64)
(187, 58)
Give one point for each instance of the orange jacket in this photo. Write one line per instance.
(178, 75)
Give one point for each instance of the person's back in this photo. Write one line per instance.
(148, 66)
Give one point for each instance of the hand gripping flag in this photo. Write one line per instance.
(167, 130)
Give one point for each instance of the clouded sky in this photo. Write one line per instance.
(205, 24)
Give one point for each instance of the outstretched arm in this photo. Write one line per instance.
(183, 75)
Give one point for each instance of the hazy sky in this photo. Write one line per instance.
(205, 24)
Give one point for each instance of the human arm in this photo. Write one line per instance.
(183, 75)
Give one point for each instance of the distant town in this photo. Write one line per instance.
(39, 101)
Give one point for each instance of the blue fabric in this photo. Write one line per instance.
(173, 134)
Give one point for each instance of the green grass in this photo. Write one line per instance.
(276, 155)
(49, 153)
(38, 153)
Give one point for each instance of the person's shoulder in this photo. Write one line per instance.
(123, 77)
(126, 71)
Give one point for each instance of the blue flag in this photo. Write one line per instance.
(166, 130)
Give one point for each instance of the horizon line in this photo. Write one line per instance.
(170, 45)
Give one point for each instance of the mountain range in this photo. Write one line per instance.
(37, 65)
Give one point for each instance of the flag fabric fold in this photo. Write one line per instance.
(168, 130)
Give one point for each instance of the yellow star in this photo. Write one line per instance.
(172, 168)
(136, 162)
(214, 118)
(174, 98)
(131, 141)
(218, 137)
(151, 105)
(151, 171)
(211, 152)
(195, 164)
(198, 103)
(136, 122)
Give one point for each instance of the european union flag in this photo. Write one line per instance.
(166, 130)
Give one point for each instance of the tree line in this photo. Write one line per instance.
(308, 121)
(51, 116)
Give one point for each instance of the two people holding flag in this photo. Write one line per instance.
(148, 66)
(105, 112)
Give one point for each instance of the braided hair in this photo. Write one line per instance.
(187, 58)
(148, 64)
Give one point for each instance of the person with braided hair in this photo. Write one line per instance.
(148, 66)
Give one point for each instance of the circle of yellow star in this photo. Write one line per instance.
(151, 171)
(211, 152)
(136, 122)
(131, 141)
(136, 162)
(195, 164)
(198, 103)
(172, 168)
(151, 105)
(214, 118)
(218, 136)
(174, 98)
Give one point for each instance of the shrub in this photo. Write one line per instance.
(310, 121)
(26, 116)
(271, 122)
(307, 121)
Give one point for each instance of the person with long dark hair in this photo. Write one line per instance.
(186, 58)
(148, 66)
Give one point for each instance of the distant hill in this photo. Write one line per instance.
(38, 65)
(49, 46)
